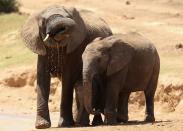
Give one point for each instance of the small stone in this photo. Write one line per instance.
(179, 46)
(177, 15)
(128, 3)
(8, 57)
(19, 99)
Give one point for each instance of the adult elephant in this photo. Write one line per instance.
(59, 36)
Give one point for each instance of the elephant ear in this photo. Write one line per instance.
(95, 26)
(31, 36)
(79, 33)
(120, 56)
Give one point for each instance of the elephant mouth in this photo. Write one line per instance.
(60, 30)
(60, 40)
(57, 34)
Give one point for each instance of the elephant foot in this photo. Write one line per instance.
(150, 118)
(110, 121)
(97, 120)
(83, 121)
(110, 118)
(65, 123)
(122, 118)
(42, 123)
(82, 118)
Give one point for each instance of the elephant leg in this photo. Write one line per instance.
(43, 89)
(97, 120)
(82, 118)
(114, 86)
(66, 117)
(123, 107)
(149, 107)
(111, 105)
(112, 95)
(149, 96)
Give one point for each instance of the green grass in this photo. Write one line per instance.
(12, 49)
(11, 22)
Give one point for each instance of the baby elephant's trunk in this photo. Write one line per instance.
(87, 93)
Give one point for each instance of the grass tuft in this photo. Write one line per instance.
(8, 6)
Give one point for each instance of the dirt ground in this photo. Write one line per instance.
(161, 21)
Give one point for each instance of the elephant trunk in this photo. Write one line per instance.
(87, 93)
(58, 27)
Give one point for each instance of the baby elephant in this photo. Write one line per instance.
(123, 63)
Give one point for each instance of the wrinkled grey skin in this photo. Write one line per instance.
(124, 63)
(97, 103)
(59, 55)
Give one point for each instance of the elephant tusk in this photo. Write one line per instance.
(46, 38)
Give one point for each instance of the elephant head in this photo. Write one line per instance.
(54, 26)
(102, 58)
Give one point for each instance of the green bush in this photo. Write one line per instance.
(8, 6)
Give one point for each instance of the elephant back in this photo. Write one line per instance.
(138, 41)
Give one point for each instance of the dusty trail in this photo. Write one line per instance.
(26, 123)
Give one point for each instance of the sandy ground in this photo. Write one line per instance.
(158, 20)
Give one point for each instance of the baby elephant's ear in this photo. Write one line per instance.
(31, 36)
(120, 56)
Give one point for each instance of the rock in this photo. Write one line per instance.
(8, 57)
(179, 46)
(128, 3)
